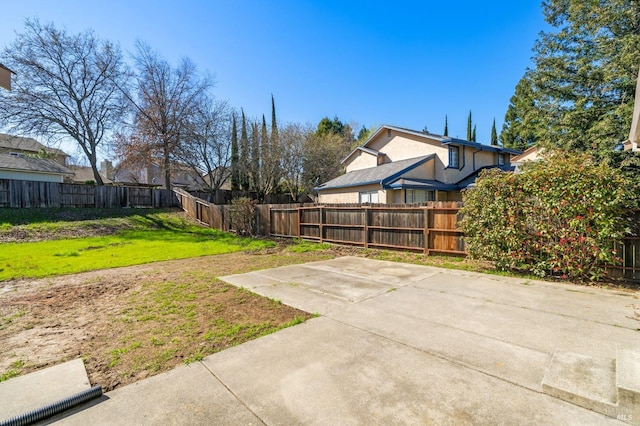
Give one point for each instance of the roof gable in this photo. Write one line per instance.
(382, 174)
(443, 140)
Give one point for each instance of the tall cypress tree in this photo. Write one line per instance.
(473, 134)
(274, 143)
(235, 156)
(244, 155)
(446, 126)
(494, 133)
(255, 156)
(469, 129)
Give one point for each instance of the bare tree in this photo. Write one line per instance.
(206, 145)
(293, 137)
(166, 98)
(66, 87)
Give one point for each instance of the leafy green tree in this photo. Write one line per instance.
(522, 123)
(473, 134)
(494, 133)
(327, 126)
(585, 72)
(469, 127)
(363, 135)
(446, 126)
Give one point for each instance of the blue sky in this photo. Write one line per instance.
(406, 63)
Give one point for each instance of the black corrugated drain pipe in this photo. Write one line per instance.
(52, 409)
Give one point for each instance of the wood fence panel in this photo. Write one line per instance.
(140, 196)
(34, 194)
(77, 195)
(5, 200)
(283, 221)
(431, 227)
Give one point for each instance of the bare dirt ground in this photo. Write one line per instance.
(128, 323)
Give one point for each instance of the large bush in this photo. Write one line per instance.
(242, 215)
(558, 216)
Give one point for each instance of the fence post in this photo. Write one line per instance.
(426, 229)
(365, 211)
(321, 226)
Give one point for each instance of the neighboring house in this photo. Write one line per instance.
(29, 168)
(182, 176)
(221, 175)
(84, 174)
(397, 165)
(530, 154)
(5, 77)
(29, 147)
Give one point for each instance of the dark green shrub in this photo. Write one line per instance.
(560, 216)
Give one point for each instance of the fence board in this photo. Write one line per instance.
(431, 227)
(34, 194)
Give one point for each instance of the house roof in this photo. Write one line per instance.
(3, 66)
(525, 153)
(84, 174)
(383, 174)
(26, 144)
(471, 179)
(444, 140)
(421, 184)
(34, 165)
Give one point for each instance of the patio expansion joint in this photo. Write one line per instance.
(441, 357)
(300, 285)
(232, 393)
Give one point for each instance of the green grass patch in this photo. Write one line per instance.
(14, 370)
(303, 246)
(159, 237)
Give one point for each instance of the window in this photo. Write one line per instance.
(368, 197)
(500, 159)
(454, 157)
(413, 196)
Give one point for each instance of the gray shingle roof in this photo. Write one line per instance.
(37, 165)
(377, 174)
(20, 143)
(422, 184)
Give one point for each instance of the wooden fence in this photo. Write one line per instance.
(23, 193)
(429, 228)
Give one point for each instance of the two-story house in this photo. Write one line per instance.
(397, 165)
(24, 158)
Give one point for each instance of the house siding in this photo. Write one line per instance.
(40, 177)
(350, 195)
(400, 145)
(362, 160)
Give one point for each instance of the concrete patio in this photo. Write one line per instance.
(405, 344)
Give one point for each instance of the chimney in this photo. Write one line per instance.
(106, 168)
